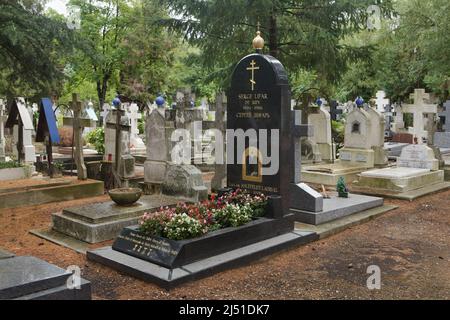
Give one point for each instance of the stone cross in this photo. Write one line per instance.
(334, 111)
(418, 109)
(381, 101)
(119, 126)
(76, 107)
(446, 114)
(2, 131)
(220, 169)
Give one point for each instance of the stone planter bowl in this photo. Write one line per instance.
(125, 196)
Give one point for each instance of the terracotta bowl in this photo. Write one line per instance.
(125, 196)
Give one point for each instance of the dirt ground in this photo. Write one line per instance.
(411, 246)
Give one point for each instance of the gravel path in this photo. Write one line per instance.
(410, 245)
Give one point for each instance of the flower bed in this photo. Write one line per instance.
(187, 221)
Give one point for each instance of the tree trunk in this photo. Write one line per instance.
(273, 36)
(102, 88)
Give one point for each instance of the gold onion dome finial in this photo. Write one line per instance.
(258, 42)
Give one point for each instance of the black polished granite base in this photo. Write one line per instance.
(169, 278)
(173, 254)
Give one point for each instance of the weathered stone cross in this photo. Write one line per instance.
(78, 131)
(446, 114)
(118, 126)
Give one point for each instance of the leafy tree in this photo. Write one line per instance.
(31, 45)
(301, 33)
(104, 24)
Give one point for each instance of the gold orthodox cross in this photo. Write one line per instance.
(252, 68)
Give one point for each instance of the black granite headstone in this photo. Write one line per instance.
(259, 105)
(259, 99)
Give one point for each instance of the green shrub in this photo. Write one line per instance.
(97, 139)
(10, 165)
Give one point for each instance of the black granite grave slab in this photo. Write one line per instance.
(172, 254)
(62, 293)
(170, 278)
(22, 276)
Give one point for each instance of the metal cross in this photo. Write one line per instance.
(334, 111)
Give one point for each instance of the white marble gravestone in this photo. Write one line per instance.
(418, 156)
(357, 141)
(28, 131)
(376, 136)
(420, 109)
(321, 123)
(416, 174)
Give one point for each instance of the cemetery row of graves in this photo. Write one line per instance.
(169, 222)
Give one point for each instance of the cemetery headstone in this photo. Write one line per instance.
(19, 120)
(47, 131)
(260, 99)
(418, 156)
(357, 142)
(158, 147)
(376, 136)
(321, 123)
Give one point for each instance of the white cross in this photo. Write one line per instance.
(106, 108)
(381, 101)
(419, 109)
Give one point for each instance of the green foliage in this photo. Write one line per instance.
(338, 131)
(10, 165)
(302, 34)
(31, 46)
(97, 138)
